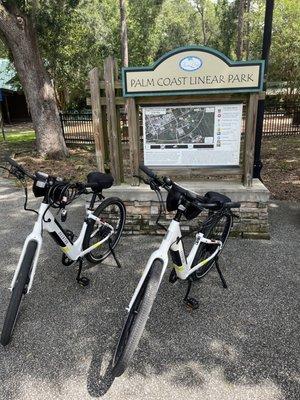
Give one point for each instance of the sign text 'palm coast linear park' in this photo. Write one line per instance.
(193, 70)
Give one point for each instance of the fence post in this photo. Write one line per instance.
(112, 123)
(250, 129)
(134, 138)
(62, 125)
(97, 118)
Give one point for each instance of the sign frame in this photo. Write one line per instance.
(216, 53)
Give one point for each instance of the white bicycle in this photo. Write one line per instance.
(99, 235)
(209, 242)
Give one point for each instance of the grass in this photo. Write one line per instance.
(15, 137)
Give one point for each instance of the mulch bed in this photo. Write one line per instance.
(281, 167)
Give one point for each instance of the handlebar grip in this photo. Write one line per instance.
(148, 171)
(14, 164)
(19, 167)
(233, 204)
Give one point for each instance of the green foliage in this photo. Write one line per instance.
(284, 61)
(285, 50)
(76, 39)
(178, 24)
(226, 14)
(76, 35)
(141, 22)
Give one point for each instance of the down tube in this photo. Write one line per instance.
(162, 253)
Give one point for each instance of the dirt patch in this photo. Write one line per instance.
(82, 160)
(281, 167)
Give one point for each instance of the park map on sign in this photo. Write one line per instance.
(174, 125)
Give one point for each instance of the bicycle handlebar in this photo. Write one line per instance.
(18, 167)
(198, 201)
(148, 171)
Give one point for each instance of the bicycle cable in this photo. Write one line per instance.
(22, 181)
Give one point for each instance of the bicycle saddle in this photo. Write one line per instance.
(103, 181)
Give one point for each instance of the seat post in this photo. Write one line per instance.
(93, 199)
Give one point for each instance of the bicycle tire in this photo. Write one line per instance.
(17, 294)
(205, 250)
(93, 257)
(137, 319)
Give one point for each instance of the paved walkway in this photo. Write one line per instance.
(241, 344)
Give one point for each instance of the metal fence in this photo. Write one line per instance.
(278, 121)
(77, 127)
(282, 121)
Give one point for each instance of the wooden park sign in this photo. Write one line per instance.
(175, 92)
(193, 70)
(195, 77)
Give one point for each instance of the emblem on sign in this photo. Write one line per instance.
(190, 63)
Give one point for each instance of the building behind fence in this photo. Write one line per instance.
(278, 121)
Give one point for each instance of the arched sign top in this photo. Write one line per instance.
(193, 70)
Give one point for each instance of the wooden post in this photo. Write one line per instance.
(119, 136)
(250, 128)
(97, 118)
(112, 123)
(134, 139)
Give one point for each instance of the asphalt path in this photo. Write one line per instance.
(242, 343)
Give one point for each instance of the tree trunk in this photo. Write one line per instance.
(240, 29)
(20, 36)
(247, 44)
(200, 7)
(124, 39)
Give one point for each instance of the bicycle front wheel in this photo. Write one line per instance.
(17, 294)
(219, 229)
(136, 319)
(111, 210)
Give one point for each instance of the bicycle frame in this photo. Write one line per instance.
(172, 241)
(47, 222)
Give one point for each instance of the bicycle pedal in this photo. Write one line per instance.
(83, 281)
(192, 303)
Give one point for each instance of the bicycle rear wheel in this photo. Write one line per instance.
(111, 210)
(136, 319)
(17, 294)
(219, 229)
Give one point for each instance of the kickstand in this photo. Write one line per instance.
(220, 273)
(82, 280)
(190, 301)
(114, 254)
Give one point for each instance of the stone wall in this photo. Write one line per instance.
(142, 208)
(252, 221)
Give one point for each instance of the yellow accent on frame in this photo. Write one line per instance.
(96, 245)
(65, 249)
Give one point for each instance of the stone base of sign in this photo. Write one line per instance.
(142, 207)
